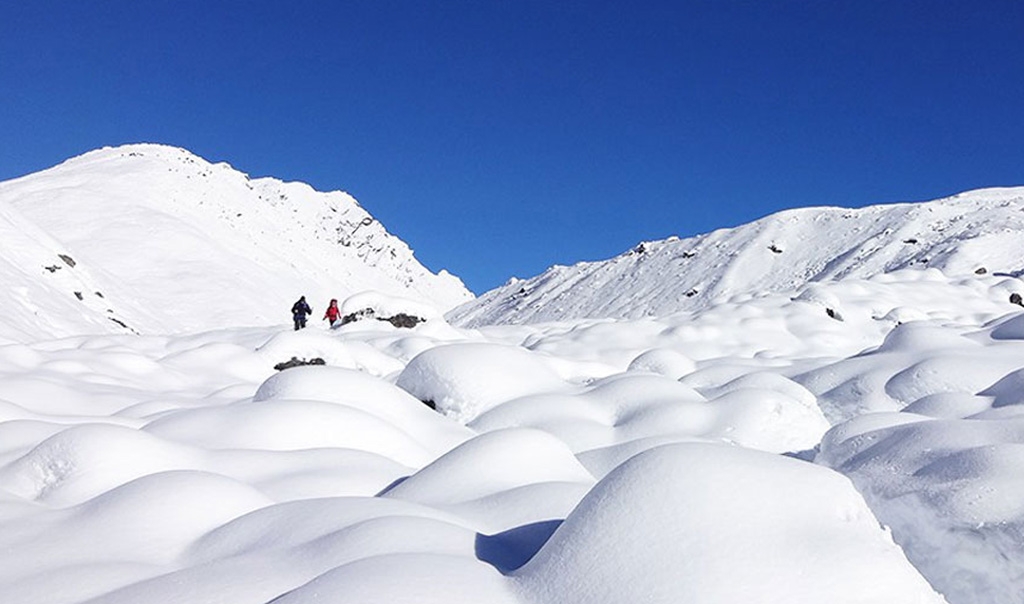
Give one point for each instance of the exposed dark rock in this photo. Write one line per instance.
(79, 296)
(430, 404)
(981, 271)
(399, 320)
(53, 269)
(775, 249)
(404, 320)
(1015, 298)
(834, 314)
(911, 240)
(297, 362)
(122, 324)
(67, 260)
(366, 313)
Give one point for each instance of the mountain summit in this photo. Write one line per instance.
(153, 239)
(979, 232)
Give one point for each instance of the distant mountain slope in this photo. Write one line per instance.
(158, 240)
(40, 292)
(976, 232)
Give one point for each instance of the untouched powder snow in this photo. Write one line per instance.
(709, 523)
(757, 450)
(39, 285)
(152, 239)
(979, 232)
(833, 414)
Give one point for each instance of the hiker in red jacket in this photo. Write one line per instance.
(332, 314)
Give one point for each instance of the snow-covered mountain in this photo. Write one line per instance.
(972, 233)
(152, 239)
(849, 440)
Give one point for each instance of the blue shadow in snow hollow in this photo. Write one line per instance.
(513, 548)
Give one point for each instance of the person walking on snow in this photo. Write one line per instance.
(333, 313)
(299, 311)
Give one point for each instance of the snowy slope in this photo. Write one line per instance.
(846, 439)
(972, 233)
(40, 285)
(164, 241)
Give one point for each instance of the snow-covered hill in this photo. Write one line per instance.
(152, 239)
(850, 440)
(972, 233)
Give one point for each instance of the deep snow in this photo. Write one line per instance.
(661, 459)
(832, 420)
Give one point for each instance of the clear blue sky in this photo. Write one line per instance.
(500, 137)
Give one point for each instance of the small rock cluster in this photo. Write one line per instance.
(297, 362)
(399, 320)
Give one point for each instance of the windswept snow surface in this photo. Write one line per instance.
(978, 232)
(152, 239)
(745, 452)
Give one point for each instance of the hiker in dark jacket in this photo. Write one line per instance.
(299, 311)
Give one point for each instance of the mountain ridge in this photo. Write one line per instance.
(123, 213)
(87, 245)
(971, 232)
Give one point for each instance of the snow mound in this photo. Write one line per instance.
(463, 380)
(649, 410)
(664, 361)
(378, 305)
(514, 458)
(81, 462)
(163, 513)
(703, 523)
(294, 425)
(308, 344)
(121, 536)
(366, 393)
(424, 579)
(951, 490)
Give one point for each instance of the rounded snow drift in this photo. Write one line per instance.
(463, 380)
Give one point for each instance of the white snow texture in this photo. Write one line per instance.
(836, 421)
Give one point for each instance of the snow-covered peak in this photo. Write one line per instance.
(164, 241)
(978, 232)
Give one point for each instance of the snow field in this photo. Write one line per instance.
(945, 473)
(657, 460)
